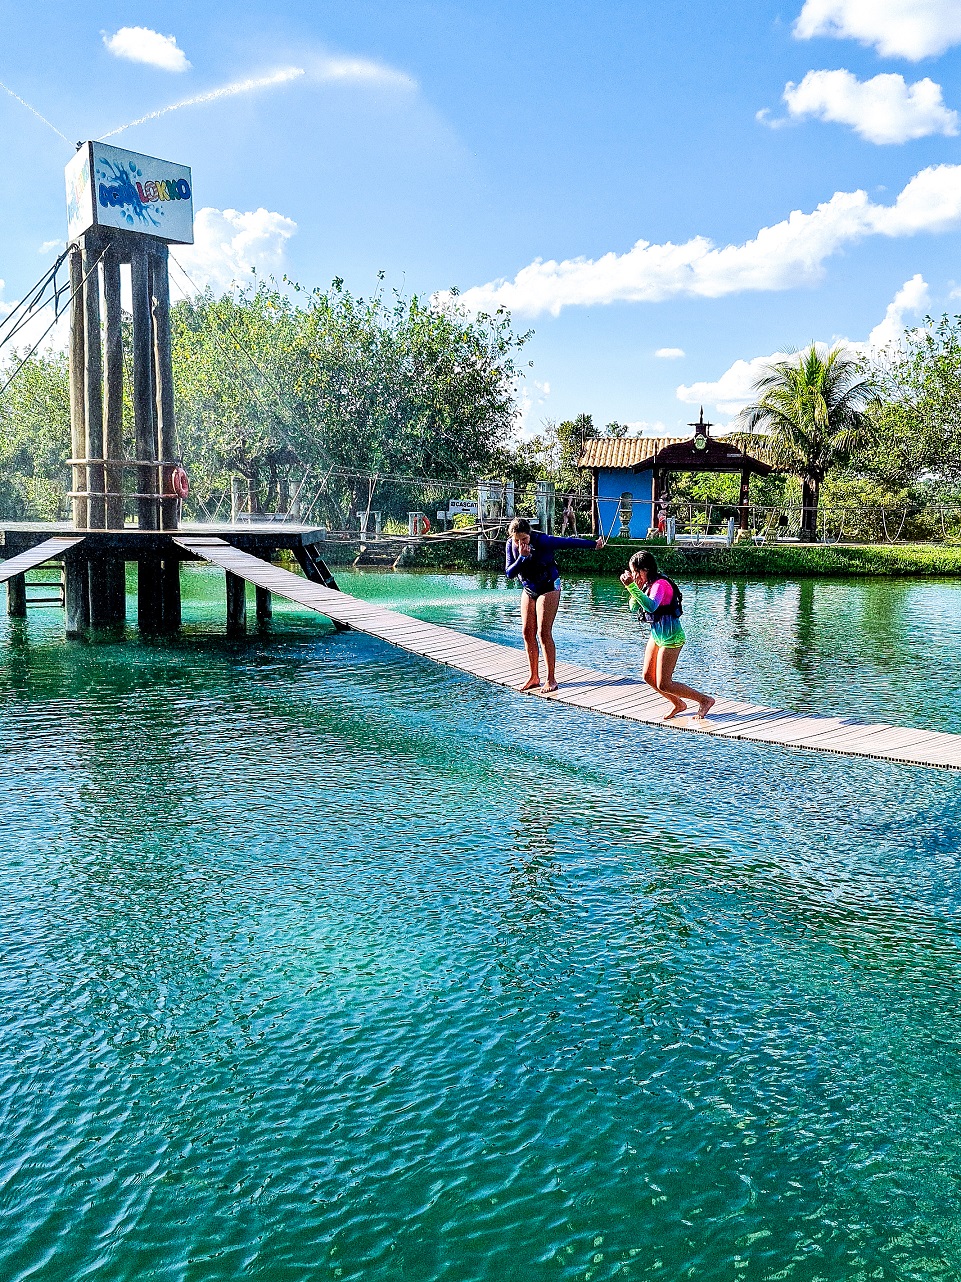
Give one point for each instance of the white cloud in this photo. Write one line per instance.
(911, 300)
(735, 388)
(49, 246)
(214, 95)
(529, 401)
(670, 353)
(140, 44)
(911, 29)
(361, 71)
(783, 256)
(883, 110)
(229, 246)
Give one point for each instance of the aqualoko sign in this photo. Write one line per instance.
(110, 187)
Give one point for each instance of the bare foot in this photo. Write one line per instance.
(705, 706)
(675, 711)
(530, 684)
(549, 688)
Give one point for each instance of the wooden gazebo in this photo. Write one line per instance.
(705, 453)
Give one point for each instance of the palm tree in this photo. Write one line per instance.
(811, 414)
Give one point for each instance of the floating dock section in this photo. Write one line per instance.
(615, 696)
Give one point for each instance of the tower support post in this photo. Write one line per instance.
(76, 595)
(236, 606)
(144, 410)
(17, 597)
(163, 382)
(93, 382)
(78, 430)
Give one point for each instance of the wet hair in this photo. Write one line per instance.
(645, 561)
(519, 525)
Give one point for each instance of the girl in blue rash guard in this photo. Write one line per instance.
(530, 557)
(659, 599)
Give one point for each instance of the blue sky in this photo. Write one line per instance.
(460, 144)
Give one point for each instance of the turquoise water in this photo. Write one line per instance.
(323, 962)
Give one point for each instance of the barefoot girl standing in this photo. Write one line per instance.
(660, 600)
(530, 557)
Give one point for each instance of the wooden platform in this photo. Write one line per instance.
(37, 554)
(131, 543)
(625, 697)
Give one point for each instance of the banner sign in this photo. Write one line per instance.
(110, 187)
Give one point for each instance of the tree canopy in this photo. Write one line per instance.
(812, 409)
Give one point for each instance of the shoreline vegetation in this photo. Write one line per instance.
(778, 561)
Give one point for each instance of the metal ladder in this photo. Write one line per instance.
(59, 601)
(314, 567)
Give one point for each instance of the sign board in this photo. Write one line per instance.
(458, 508)
(110, 187)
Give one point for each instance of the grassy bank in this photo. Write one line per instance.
(784, 561)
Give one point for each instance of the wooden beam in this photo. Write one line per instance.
(144, 409)
(76, 595)
(170, 591)
(236, 605)
(163, 380)
(93, 381)
(265, 609)
(113, 385)
(17, 597)
(745, 497)
(78, 431)
(150, 612)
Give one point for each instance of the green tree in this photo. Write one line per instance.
(274, 382)
(811, 415)
(919, 416)
(35, 439)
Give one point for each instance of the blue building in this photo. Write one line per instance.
(629, 474)
(624, 499)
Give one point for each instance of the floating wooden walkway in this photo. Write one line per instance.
(35, 556)
(625, 697)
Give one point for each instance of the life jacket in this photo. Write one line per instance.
(672, 610)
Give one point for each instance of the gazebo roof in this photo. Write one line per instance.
(670, 454)
(714, 456)
(623, 451)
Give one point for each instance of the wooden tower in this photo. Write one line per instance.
(124, 210)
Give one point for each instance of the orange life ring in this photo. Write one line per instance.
(180, 482)
(421, 524)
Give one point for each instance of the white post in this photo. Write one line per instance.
(293, 500)
(236, 498)
(545, 506)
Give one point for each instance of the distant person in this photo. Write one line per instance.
(530, 558)
(660, 600)
(662, 516)
(569, 518)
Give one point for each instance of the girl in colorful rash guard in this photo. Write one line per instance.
(660, 600)
(530, 557)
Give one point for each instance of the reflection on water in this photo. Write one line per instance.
(322, 961)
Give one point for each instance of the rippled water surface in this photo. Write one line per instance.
(320, 961)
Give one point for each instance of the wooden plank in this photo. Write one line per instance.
(144, 406)
(628, 698)
(78, 430)
(29, 560)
